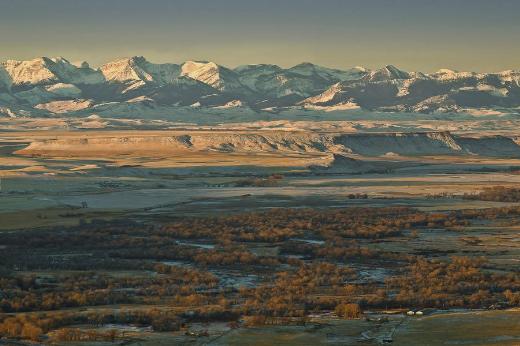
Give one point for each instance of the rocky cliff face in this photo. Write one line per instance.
(365, 144)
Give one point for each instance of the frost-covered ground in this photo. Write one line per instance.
(145, 166)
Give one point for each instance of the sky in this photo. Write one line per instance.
(418, 35)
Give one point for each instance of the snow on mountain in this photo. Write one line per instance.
(7, 112)
(387, 73)
(249, 74)
(391, 89)
(40, 94)
(368, 95)
(136, 86)
(297, 82)
(216, 76)
(182, 91)
(65, 106)
(287, 83)
(334, 75)
(450, 75)
(34, 96)
(327, 96)
(342, 106)
(404, 87)
(64, 90)
(71, 74)
(231, 104)
(42, 71)
(124, 70)
(32, 72)
(439, 104)
(138, 69)
(498, 92)
(510, 76)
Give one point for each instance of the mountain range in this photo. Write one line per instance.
(55, 86)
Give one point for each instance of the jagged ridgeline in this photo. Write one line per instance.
(50, 86)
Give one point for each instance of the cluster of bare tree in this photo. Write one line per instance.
(33, 325)
(23, 293)
(460, 282)
(307, 270)
(497, 194)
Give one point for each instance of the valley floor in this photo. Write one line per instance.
(255, 236)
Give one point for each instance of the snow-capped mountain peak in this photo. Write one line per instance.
(138, 69)
(32, 72)
(69, 73)
(41, 71)
(190, 67)
(447, 74)
(387, 73)
(250, 74)
(137, 86)
(327, 96)
(212, 74)
(510, 76)
(360, 69)
(126, 69)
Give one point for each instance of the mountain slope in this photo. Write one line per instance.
(43, 71)
(214, 75)
(138, 69)
(47, 86)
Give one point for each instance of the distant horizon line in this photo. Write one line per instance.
(283, 66)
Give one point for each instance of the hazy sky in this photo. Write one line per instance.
(479, 35)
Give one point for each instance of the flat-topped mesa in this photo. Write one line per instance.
(272, 142)
(281, 142)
